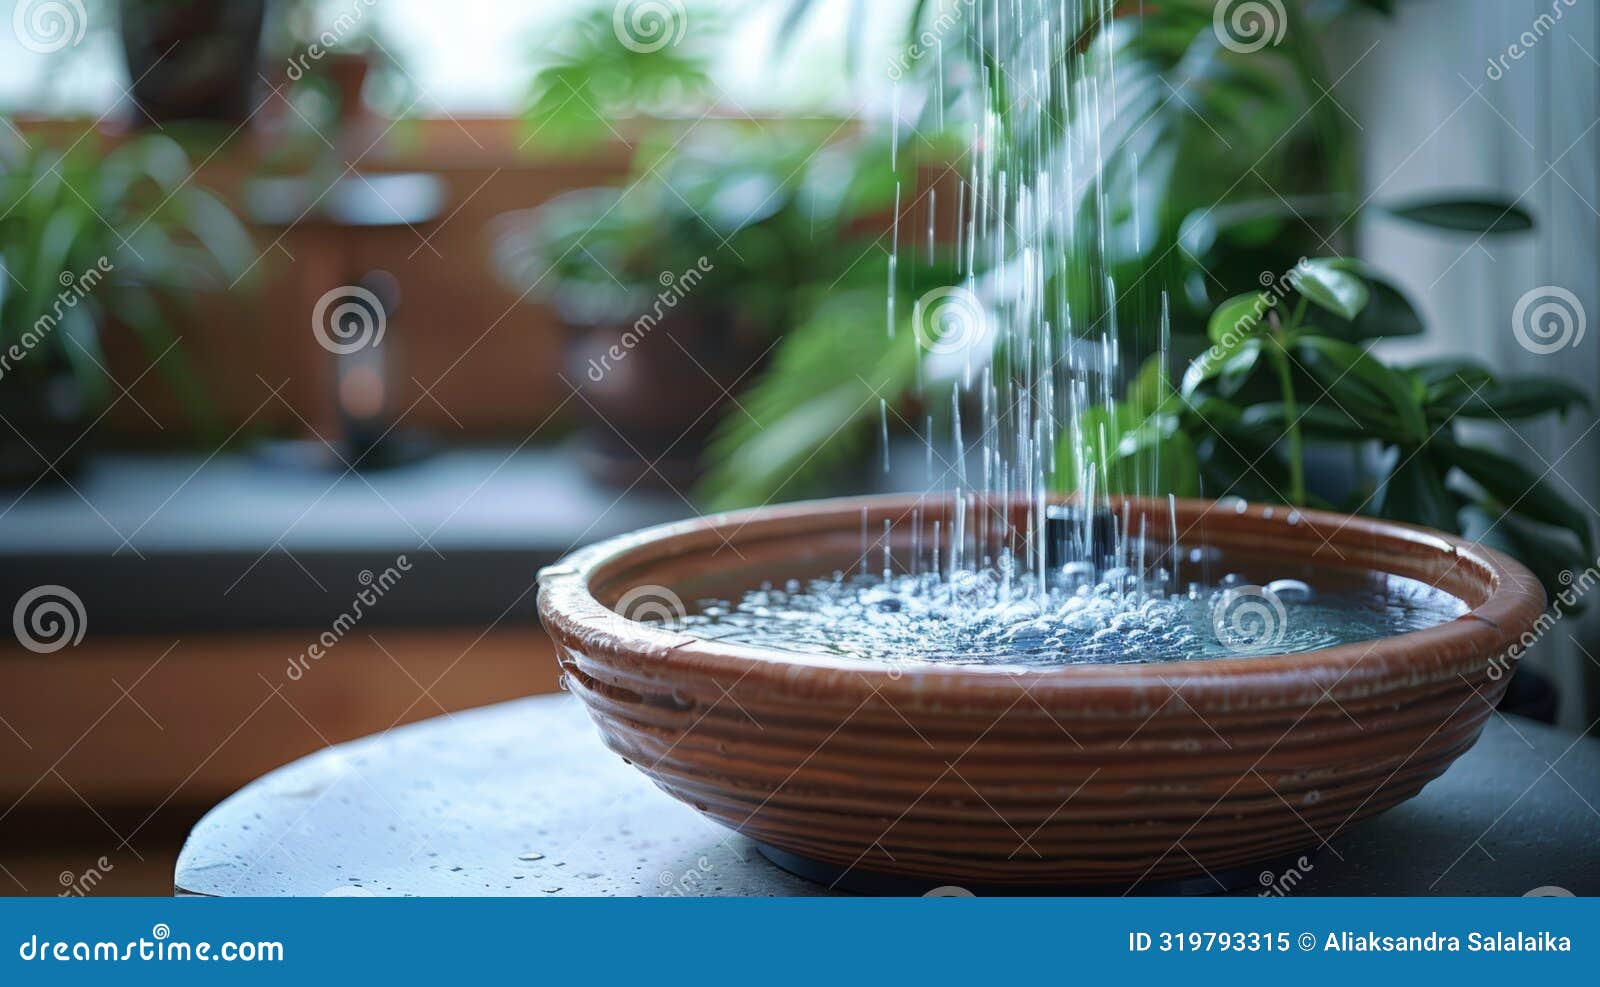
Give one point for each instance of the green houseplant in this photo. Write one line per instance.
(676, 280)
(676, 284)
(1285, 375)
(91, 239)
(1287, 371)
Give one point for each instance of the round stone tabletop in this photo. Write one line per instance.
(523, 799)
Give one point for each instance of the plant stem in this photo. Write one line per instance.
(1299, 315)
(1291, 415)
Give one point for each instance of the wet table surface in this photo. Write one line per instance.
(521, 798)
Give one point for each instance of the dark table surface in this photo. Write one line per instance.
(522, 799)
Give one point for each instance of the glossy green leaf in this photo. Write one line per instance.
(1125, 450)
(1325, 284)
(1323, 420)
(1388, 312)
(1238, 317)
(1415, 492)
(1215, 414)
(1479, 214)
(1151, 390)
(1335, 362)
(1515, 398)
(1520, 490)
(1236, 356)
(1448, 374)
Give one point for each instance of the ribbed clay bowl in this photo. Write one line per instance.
(1116, 776)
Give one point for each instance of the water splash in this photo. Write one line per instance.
(1056, 538)
(983, 618)
(1034, 351)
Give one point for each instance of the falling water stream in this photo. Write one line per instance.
(1024, 360)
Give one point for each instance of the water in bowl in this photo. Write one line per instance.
(1113, 617)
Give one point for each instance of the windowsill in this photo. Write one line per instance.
(233, 542)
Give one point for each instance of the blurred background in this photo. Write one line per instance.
(323, 325)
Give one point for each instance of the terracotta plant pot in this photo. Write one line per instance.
(1102, 777)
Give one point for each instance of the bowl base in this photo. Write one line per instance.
(857, 880)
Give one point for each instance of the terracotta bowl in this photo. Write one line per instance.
(1108, 777)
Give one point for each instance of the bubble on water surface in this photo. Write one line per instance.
(986, 618)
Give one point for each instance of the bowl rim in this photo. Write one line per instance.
(569, 610)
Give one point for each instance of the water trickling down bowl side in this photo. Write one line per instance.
(1099, 775)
